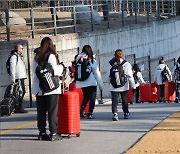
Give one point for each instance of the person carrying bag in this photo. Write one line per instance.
(47, 71)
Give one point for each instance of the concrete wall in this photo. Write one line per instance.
(156, 39)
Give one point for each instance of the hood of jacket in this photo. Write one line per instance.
(161, 66)
(113, 61)
(83, 55)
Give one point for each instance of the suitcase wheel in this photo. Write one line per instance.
(69, 136)
(78, 135)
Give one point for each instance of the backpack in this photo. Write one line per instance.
(117, 76)
(8, 62)
(165, 75)
(82, 70)
(65, 71)
(47, 80)
(177, 74)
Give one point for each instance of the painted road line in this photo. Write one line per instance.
(17, 127)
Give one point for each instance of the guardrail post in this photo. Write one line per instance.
(130, 6)
(108, 18)
(101, 94)
(7, 24)
(147, 7)
(135, 12)
(122, 16)
(174, 60)
(149, 65)
(29, 75)
(105, 9)
(158, 6)
(168, 3)
(78, 50)
(74, 20)
(175, 8)
(92, 18)
(32, 22)
(134, 56)
(54, 18)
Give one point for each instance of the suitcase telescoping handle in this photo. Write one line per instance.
(63, 88)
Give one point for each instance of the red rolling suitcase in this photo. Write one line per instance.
(170, 91)
(145, 92)
(130, 95)
(72, 87)
(155, 93)
(68, 114)
(149, 92)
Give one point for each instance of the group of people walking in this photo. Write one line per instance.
(120, 76)
(163, 74)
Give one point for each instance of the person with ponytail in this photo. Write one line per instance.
(89, 86)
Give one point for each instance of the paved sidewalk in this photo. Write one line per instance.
(164, 138)
(98, 136)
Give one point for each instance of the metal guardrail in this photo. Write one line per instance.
(111, 13)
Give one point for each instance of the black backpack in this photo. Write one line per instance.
(8, 62)
(177, 74)
(47, 80)
(165, 75)
(65, 71)
(117, 76)
(82, 70)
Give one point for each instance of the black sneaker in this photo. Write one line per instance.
(23, 111)
(115, 117)
(43, 137)
(82, 114)
(20, 111)
(176, 101)
(90, 116)
(160, 101)
(126, 115)
(55, 137)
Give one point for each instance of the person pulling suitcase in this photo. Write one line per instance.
(87, 76)
(162, 74)
(16, 69)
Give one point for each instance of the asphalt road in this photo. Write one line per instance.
(98, 136)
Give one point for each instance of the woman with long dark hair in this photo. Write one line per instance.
(138, 80)
(47, 102)
(89, 86)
